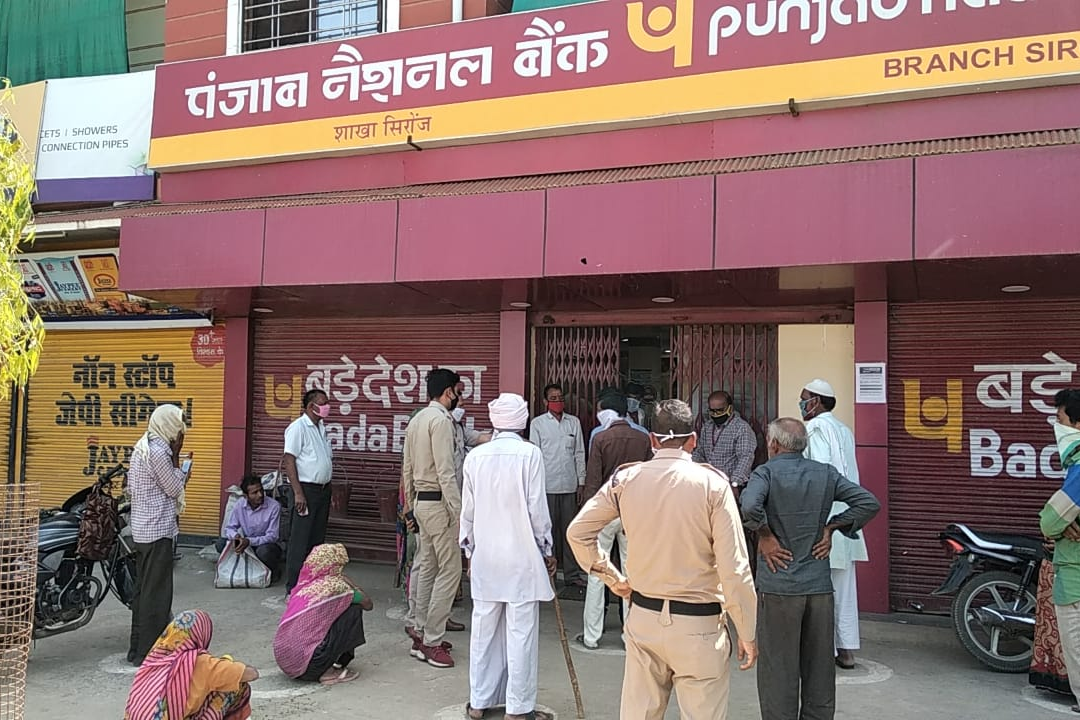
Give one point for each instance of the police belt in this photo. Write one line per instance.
(676, 607)
(430, 495)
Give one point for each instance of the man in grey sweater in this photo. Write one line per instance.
(787, 502)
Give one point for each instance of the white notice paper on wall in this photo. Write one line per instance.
(870, 383)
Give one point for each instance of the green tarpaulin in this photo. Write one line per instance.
(527, 5)
(52, 39)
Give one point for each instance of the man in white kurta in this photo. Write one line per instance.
(506, 532)
(832, 442)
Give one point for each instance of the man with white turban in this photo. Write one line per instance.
(506, 532)
(832, 442)
(155, 482)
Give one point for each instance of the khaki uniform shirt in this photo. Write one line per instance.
(684, 533)
(428, 462)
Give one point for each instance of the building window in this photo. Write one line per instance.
(277, 23)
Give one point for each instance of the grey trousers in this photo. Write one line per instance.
(796, 674)
(563, 508)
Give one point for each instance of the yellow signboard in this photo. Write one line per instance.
(93, 395)
(103, 274)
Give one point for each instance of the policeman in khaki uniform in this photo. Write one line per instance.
(688, 571)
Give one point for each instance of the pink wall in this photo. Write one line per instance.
(963, 116)
(236, 403)
(815, 215)
(668, 223)
(844, 213)
(998, 204)
(471, 237)
(872, 435)
(513, 356)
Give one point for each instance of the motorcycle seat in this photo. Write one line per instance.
(1028, 546)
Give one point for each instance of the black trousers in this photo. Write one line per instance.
(796, 668)
(339, 645)
(306, 531)
(269, 555)
(151, 610)
(563, 508)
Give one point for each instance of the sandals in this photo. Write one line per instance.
(534, 715)
(346, 675)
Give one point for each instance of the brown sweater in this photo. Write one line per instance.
(618, 445)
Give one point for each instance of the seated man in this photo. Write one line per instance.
(254, 524)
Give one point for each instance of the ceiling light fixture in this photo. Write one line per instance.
(262, 310)
(1016, 289)
(520, 305)
(663, 299)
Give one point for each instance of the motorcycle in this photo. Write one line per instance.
(68, 589)
(993, 577)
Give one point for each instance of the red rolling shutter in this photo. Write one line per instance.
(376, 371)
(971, 392)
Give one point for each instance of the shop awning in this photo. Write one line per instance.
(531, 5)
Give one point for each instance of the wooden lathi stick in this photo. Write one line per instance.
(566, 654)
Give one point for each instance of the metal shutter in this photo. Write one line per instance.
(943, 396)
(93, 394)
(377, 370)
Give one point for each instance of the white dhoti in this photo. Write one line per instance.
(504, 656)
(596, 594)
(846, 608)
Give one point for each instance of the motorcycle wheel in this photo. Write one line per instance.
(993, 647)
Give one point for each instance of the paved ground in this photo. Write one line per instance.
(908, 671)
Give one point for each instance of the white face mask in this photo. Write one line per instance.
(606, 417)
(633, 405)
(457, 414)
(1068, 440)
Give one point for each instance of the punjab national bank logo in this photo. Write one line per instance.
(934, 412)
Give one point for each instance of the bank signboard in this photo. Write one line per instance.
(599, 66)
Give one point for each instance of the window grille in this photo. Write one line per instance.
(278, 23)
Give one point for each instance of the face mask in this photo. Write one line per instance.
(720, 416)
(458, 414)
(633, 404)
(803, 406)
(1068, 442)
(323, 411)
(606, 417)
(556, 406)
(454, 402)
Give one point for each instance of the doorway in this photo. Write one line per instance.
(682, 361)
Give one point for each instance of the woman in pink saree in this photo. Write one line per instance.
(324, 621)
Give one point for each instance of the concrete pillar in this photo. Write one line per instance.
(872, 435)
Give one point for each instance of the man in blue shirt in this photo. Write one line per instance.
(254, 523)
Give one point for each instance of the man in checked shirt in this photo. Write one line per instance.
(155, 481)
(727, 441)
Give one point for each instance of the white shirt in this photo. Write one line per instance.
(505, 525)
(563, 447)
(307, 442)
(831, 442)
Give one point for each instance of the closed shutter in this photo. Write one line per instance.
(971, 397)
(376, 374)
(93, 395)
(7, 444)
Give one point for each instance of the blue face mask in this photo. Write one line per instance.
(633, 404)
(804, 405)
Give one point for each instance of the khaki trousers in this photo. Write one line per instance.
(1068, 620)
(439, 562)
(687, 653)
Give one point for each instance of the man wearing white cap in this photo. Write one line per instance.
(831, 441)
(506, 532)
